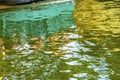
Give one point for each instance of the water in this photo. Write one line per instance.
(80, 43)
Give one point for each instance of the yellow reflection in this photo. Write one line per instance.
(1, 77)
(4, 6)
(2, 48)
(115, 50)
(37, 43)
(97, 15)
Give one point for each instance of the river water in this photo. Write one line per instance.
(61, 41)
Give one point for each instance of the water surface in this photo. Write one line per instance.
(80, 43)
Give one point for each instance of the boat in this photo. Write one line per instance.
(12, 2)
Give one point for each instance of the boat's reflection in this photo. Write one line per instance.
(28, 29)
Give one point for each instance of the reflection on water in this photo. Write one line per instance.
(44, 46)
(98, 15)
(98, 21)
(24, 41)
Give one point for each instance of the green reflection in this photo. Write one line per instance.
(18, 27)
(24, 34)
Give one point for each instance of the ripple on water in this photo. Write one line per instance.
(88, 50)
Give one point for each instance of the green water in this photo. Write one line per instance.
(47, 43)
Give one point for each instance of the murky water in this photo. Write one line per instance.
(35, 45)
